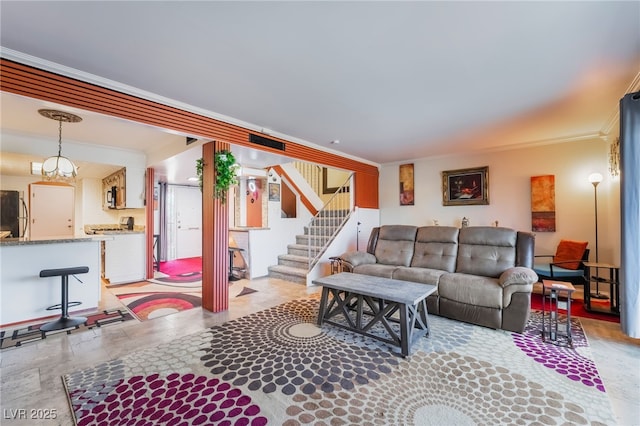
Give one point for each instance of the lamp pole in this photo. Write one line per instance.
(595, 179)
(595, 199)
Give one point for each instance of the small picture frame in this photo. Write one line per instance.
(274, 191)
(465, 187)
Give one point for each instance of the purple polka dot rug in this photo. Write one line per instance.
(278, 367)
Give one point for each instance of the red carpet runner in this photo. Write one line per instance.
(577, 308)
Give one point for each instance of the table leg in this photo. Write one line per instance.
(404, 330)
(587, 289)
(323, 305)
(569, 341)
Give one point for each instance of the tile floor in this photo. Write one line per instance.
(31, 375)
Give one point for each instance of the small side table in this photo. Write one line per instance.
(552, 292)
(336, 265)
(613, 281)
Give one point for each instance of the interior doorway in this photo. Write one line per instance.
(184, 222)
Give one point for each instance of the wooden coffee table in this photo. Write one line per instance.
(364, 301)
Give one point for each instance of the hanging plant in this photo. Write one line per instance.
(225, 167)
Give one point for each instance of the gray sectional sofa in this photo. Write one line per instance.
(483, 274)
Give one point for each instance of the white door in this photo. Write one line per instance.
(188, 208)
(51, 209)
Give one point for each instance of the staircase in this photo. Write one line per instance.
(302, 255)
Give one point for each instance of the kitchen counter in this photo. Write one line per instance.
(28, 241)
(26, 296)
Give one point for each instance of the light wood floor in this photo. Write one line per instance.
(31, 375)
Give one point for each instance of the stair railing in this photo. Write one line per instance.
(329, 220)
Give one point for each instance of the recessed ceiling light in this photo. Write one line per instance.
(335, 142)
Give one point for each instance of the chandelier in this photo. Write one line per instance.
(59, 168)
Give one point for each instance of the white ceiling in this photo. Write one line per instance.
(392, 81)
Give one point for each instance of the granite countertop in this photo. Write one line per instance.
(112, 229)
(22, 241)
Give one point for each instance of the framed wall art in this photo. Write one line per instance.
(465, 187)
(274, 191)
(543, 203)
(406, 185)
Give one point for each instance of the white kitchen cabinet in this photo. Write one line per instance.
(129, 187)
(135, 194)
(124, 258)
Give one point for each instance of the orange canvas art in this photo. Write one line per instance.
(406, 185)
(543, 203)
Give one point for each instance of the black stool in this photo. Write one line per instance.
(65, 321)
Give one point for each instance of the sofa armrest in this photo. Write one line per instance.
(518, 275)
(352, 259)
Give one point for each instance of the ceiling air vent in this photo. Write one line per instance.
(259, 140)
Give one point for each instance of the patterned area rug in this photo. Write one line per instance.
(22, 335)
(148, 299)
(277, 366)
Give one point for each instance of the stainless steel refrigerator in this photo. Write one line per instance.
(13, 214)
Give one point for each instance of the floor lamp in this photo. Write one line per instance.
(595, 179)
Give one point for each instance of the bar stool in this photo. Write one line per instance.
(65, 321)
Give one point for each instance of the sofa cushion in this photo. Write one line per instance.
(471, 289)
(398, 232)
(395, 245)
(436, 247)
(377, 270)
(486, 251)
(418, 275)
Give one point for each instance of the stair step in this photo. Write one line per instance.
(320, 230)
(332, 213)
(328, 221)
(301, 250)
(315, 240)
(288, 273)
(293, 261)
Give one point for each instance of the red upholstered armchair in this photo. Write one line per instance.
(566, 265)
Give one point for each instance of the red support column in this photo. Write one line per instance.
(215, 237)
(149, 222)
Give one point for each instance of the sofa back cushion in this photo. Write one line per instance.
(395, 244)
(486, 251)
(436, 248)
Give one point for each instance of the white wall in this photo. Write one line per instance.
(510, 175)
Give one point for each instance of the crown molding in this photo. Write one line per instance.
(66, 71)
(614, 118)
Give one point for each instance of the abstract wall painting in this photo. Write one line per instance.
(406, 185)
(543, 203)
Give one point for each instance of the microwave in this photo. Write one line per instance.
(111, 197)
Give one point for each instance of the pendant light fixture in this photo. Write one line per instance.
(59, 168)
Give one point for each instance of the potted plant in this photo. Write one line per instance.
(225, 167)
